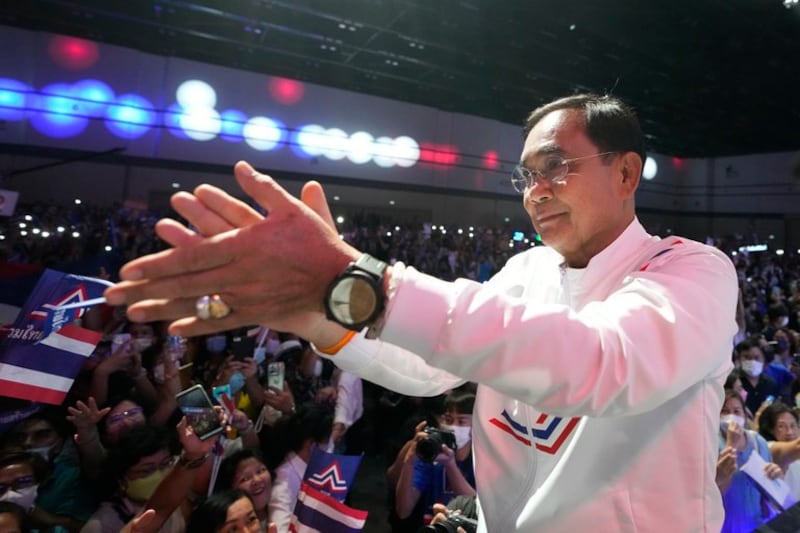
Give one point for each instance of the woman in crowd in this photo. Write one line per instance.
(231, 511)
(745, 506)
(779, 425)
(246, 470)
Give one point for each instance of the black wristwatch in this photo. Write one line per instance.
(355, 298)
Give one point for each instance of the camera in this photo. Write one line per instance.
(431, 446)
(451, 525)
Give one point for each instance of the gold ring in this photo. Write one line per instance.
(212, 306)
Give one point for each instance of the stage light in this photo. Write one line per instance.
(650, 168)
(13, 99)
(196, 94)
(93, 97)
(130, 116)
(263, 133)
(360, 147)
(57, 112)
(233, 122)
(200, 123)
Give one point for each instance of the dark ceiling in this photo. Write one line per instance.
(708, 77)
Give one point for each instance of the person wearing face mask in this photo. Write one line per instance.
(422, 484)
(745, 506)
(758, 385)
(778, 424)
(62, 495)
(20, 477)
(142, 472)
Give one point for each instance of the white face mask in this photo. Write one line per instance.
(752, 367)
(43, 452)
(140, 344)
(462, 433)
(725, 420)
(25, 498)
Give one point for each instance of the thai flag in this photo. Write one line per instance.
(331, 473)
(317, 512)
(43, 352)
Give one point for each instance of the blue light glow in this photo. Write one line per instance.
(172, 120)
(94, 96)
(233, 122)
(130, 116)
(13, 97)
(59, 113)
(61, 110)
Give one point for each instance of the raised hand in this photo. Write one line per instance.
(85, 416)
(271, 270)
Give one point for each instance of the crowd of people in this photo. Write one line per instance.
(120, 445)
(99, 460)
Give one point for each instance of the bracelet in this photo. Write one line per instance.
(333, 350)
(191, 464)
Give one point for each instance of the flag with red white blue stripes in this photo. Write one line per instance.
(43, 351)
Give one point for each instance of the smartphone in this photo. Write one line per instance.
(275, 375)
(196, 406)
(118, 340)
(769, 399)
(242, 346)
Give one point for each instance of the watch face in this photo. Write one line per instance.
(353, 300)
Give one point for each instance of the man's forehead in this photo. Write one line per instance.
(553, 133)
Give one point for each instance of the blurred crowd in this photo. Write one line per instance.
(123, 442)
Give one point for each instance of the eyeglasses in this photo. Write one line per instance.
(17, 484)
(119, 417)
(149, 469)
(555, 169)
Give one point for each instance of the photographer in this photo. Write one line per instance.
(428, 477)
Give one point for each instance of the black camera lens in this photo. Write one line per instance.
(429, 447)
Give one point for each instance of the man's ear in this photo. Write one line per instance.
(631, 171)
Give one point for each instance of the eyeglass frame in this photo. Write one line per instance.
(528, 175)
(124, 415)
(21, 482)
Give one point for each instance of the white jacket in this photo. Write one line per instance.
(600, 388)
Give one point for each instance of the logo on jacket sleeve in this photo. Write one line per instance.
(548, 434)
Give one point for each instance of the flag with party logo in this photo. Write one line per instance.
(331, 473)
(43, 350)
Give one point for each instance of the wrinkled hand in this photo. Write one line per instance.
(282, 400)
(291, 256)
(85, 416)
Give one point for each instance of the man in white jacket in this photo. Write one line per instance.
(600, 358)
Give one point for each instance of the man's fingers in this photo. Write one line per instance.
(233, 211)
(262, 188)
(314, 197)
(204, 220)
(176, 234)
(191, 263)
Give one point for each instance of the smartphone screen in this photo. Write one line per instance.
(195, 404)
(242, 346)
(275, 375)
